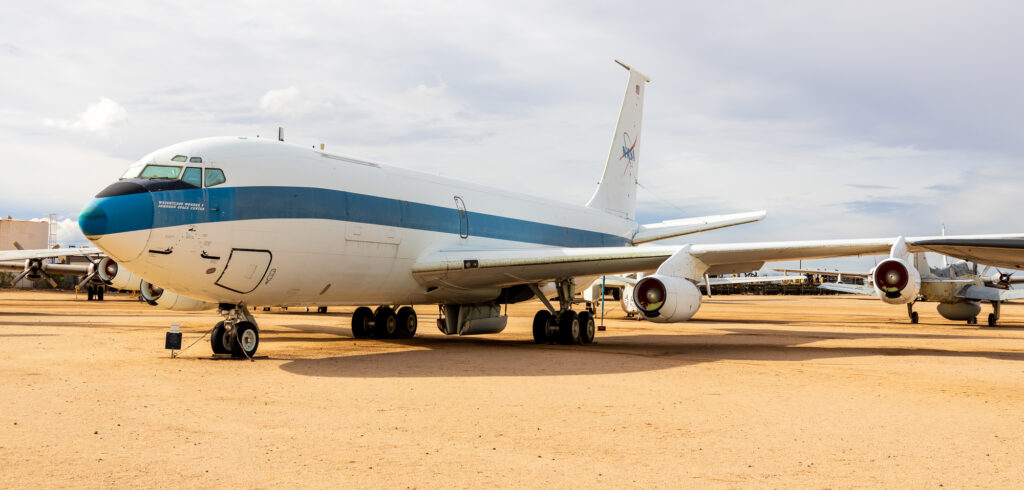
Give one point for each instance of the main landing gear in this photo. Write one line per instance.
(913, 314)
(564, 325)
(95, 291)
(993, 317)
(237, 335)
(384, 323)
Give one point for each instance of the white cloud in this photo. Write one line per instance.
(292, 102)
(98, 117)
(67, 231)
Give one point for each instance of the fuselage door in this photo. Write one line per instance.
(244, 270)
(463, 217)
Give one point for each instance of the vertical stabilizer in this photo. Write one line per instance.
(616, 193)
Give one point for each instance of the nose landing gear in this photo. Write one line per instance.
(237, 335)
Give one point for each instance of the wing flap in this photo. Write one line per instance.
(496, 268)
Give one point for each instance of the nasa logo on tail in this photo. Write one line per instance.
(627, 151)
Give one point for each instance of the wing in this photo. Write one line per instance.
(848, 288)
(46, 253)
(982, 293)
(999, 252)
(499, 268)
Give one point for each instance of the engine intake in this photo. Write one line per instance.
(896, 282)
(168, 300)
(116, 276)
(666, 299)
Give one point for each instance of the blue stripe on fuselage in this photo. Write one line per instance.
(182, 207)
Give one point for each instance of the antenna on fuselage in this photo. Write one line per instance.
(280, 133)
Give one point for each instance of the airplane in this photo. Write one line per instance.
(100, 272)
(906, 278)
(240, 221)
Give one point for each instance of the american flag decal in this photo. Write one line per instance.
(638, 89)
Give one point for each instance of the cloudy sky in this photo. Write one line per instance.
(843, 119)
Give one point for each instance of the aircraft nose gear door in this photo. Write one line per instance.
(463, 218)
(245, 269)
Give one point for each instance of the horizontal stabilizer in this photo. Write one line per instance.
(686, 226)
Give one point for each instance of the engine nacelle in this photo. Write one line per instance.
(666, 299)
(116, 276)
(161, 298)
(896, 281)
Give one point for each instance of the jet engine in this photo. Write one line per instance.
(116, 276)
(666, 299)
(896, 281)
(161, 298)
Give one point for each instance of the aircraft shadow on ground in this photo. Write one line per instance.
(487, 357)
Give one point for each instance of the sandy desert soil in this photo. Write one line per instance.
(755, 392)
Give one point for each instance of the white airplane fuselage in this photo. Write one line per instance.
(298, 226)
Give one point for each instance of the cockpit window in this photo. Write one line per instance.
(195, 160)
(214, 176)
(193, 175)
(160, 172)
(132, 172)
(179, 158)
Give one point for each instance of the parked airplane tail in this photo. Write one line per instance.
(616, 193)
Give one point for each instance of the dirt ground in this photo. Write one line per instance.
(754, 392)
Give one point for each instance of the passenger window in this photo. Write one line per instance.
(214, 176)
(195, 160)
(179, 158)
(193, 176)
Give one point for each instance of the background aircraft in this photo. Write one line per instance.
(906, 278)
(96, 275)
(239, 221)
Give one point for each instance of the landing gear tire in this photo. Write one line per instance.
(913, 317)
(321, 309)
(587, 327)
(569, 328)
(541, 322)
(972, 321)
(91, 290)
(99, 293)
(361, 322)
(220, 339)
(992, 319)
(384, 323)
(246, 340)
(406, 327)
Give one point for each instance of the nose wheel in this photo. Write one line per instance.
(237, 335)
(913, 314)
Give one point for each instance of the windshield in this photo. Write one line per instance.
(132, 172)
(160, 172)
